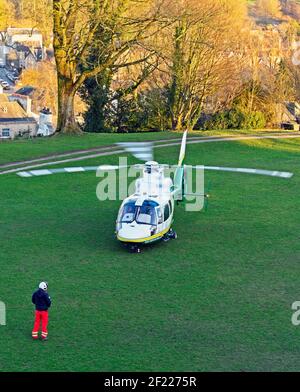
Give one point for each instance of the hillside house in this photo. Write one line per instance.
(288, 116)
(22, 48)
(28, 37)
(21, 57)
(4, 50)
(14, 120)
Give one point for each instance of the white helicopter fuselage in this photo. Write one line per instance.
(146, 216)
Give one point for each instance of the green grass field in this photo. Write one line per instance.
(216, 299)
(11, 151)
(17, 150)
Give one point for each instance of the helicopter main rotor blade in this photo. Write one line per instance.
(271, 173)
(140, 150)
(46, 172)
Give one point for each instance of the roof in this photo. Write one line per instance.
(18, 120)
(33, 44)
(3, 98)
(12, 111)
(22, 30)
(22, 48)
(293, 108)
(26, 90)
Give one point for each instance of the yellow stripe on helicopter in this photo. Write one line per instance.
(146, 239)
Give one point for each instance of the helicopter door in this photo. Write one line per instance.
(167, 215)
(171, 205)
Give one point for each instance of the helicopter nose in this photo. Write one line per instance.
(134, 231)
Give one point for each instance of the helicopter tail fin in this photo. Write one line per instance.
(182, 149)
(179, 172)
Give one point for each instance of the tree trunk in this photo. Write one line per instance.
(66, 122)
(178, 122)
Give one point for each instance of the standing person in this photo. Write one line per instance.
(42, 302)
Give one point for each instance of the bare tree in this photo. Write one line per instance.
(268, 8)
(204, 57)
(43, 79)
(6, 14)
(117, 27)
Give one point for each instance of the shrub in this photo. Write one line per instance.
(254, 120)
(236, 119)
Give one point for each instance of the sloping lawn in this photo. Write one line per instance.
(218, 298)
(18, 150)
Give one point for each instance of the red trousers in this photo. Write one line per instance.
(40, 316)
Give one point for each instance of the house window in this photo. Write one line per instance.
(5, 132)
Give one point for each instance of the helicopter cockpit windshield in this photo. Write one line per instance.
(144, 214)
(127, 213)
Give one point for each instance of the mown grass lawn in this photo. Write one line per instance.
(18, 150)
(218, 298)
(11, 151)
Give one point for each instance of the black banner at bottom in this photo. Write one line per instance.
(148, 381)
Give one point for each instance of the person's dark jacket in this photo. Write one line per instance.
(41, 300)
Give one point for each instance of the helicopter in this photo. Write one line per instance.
(147, 215)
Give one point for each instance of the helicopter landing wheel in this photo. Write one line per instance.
(166, 237)
(135, 249)
(172, 234)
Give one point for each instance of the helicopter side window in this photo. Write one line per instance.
(166, 212)
(160, 216)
